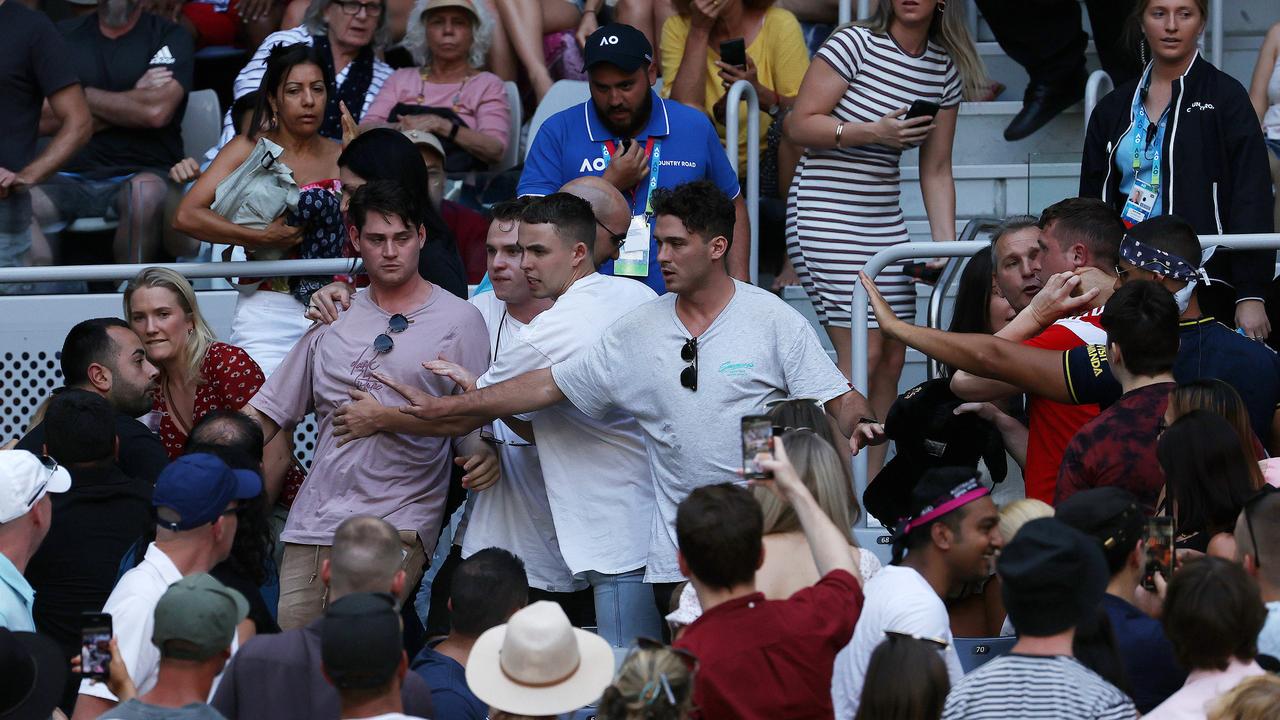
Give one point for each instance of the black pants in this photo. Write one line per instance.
(1045, 38)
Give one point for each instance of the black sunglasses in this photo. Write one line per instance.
(486, 436)
(619, 239)
(51, 466)
(397, 324)
(1248, 519)
(689, 354)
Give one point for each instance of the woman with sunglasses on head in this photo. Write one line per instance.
(279, 200)
(198, 374)
(788, 560)
(1182, 139)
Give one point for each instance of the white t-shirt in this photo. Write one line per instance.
(514, 514)
(595, 468)
(758, 349)
(898, 598)
(132, 607)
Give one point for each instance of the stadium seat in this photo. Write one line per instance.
(512, 156)
(976, 652)
(564, 94)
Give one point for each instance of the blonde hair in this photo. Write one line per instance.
(1020, 512)
(1257, 698)
(639, 692)
(202, 336)
(822, 472)
(950, 31)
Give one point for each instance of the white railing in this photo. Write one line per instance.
(736, 92)
(255, 268)
(869, 533)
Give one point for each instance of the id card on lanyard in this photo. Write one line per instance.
(633, 258)
(1142, 198)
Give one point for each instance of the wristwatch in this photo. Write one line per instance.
(773, 110)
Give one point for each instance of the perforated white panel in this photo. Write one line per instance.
(31, 332)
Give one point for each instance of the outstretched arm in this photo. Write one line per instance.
(531, 391)
(1035, 370)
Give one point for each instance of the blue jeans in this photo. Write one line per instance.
(625, 608)
(15, 229)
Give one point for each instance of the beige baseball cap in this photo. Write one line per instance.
(422, 137)
(440, 4)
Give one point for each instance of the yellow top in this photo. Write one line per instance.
(778, 51)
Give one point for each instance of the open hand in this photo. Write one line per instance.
(350, 128)
(1061, 297)
(884, 314)
(422, 404)
(455, 372)
(359, 418)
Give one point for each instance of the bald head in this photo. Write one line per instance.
(1262, 516)
(611, 211)
(365, 557)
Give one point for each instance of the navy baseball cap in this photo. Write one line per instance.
(194, 490)
(620, 45)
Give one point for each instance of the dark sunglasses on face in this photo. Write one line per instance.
(618, 239)
(396, 325)
(689, 354)
(486, 436)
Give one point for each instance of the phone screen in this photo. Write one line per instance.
(756, 432)
(1160, 556)
(95, 644)
(734, 52)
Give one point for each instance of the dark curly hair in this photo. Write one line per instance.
(700, 205)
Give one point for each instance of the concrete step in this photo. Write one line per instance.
(996, 190)
(980, 135)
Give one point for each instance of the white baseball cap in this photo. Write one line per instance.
(24, 479)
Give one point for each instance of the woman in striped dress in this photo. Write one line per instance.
(844, 203)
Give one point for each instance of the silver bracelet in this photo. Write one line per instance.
(839, 132)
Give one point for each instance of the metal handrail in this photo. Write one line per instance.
(912, 250)
(732, 100)
(1099, 85)
(950, 274)
(1215, 31)
(252, 268)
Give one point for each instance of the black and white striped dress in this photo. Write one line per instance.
(844, 203)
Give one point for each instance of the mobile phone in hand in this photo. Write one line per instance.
(757, 431)
(1159, 550)
(922, 108)
(734, 52)
(922, 272)
(95, 645)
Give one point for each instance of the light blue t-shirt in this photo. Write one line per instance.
(571, 143)
(1148, 154)
(1269, 638)
(16, 599)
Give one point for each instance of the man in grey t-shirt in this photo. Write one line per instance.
(687, 366)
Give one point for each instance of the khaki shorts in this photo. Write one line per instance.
(303, 596)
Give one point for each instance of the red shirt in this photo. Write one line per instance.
(230, 379)
(1052, 424)
(469, 230)
(773, 659)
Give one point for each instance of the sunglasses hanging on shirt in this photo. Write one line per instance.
(397, 324)
(689, 354)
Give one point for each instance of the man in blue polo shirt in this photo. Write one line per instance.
(637, 141)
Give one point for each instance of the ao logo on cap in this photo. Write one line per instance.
(609, 40)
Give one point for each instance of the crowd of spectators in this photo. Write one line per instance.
(534, 489)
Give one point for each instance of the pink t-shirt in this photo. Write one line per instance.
(400, 478)
(481, 100)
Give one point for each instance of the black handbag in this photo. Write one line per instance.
(456, 158)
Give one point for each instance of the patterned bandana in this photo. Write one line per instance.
(1145, 257)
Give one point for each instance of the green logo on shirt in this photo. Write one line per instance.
(732, 369)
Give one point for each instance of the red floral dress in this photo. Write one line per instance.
(231, 378)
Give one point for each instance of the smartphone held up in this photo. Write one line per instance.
(1159, 539)
(95, 645)
(757, 432)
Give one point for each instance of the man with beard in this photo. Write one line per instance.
(105, 357)
(638, 142)
(136, 69)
